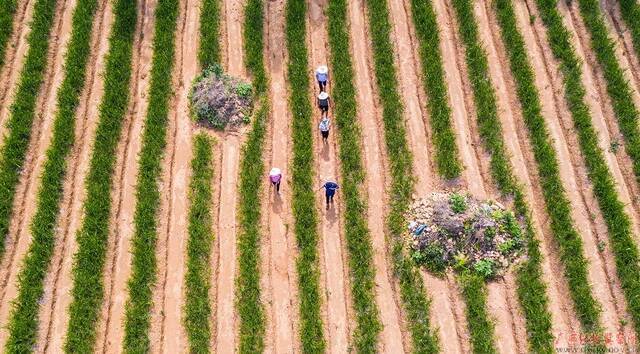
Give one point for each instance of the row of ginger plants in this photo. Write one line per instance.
(7, 13)
(618, 222)
(23, 320)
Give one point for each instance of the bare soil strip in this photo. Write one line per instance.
(15, 55)
(118, 265)
(280, 252)
(339, 320)
(19, 239)
(392, 336)
(57, 297)
(509, 332)
(515, 137)
(226, 317)
(588, 222)
(602, 113)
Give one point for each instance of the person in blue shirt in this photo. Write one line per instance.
(322, 75)
(330, 188)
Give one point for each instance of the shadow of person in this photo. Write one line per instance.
(325, 151)
(331, 214)
(276, 206)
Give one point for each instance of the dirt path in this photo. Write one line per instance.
(510, 335)
(225, 313)
(118, 265)
(335, 269)
(280, 250)
(14, 59)
(19, 237)
(587, 221)
(604, 120)
(517, 144)
(58, 283)
(392, 336)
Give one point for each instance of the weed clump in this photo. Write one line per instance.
(219, 100)
(453, 230)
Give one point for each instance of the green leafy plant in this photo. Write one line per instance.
(485, 268)
(87, 291)
(474, 292)
(458, 203)
(244, 89)
(23, 324)
(7, 12)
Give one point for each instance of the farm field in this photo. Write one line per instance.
(127, 226)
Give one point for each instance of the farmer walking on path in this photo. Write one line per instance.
(325, 124)
(330, 188)
(322, 75)
(275, 175)
(323, 102)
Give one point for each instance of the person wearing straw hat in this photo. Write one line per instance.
(325, 124)
(322, 75)
(275, 176)
(323, 102)
(330, 188)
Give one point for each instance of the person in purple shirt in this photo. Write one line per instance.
(322, 75)
(330, 188)
(275, 175)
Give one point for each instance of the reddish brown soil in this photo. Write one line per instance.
(334, 266)
(279, 251)
(14, 58)
(57, 297)
(18, 239)
(392, 336)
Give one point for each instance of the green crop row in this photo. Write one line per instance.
(444, 139)
(304, 210)
(350, 138)
(618, 223)
(22, 111)
(412, 291)
(481, 328)
(630, 12)
(154, 137)
(7, 11)
(209, 51)
(197, 280)
(617, 85)
(92, 238)
(531, 289)
(24, 317)
(250, 309)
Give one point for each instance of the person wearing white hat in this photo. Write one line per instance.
(323, 102)
(275, 176)
(322, 75)
(324, 126)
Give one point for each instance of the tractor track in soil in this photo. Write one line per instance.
(604, 118)
(338, 314)
(17, 47)
(18, 239)
(58, 282)
(502, 305)
(118, 265)
(279, 247)
(167, 331)
(588, 222)
(225, 328)
(524, 168)
(393, 334)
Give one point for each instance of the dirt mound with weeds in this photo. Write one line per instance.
(458, 231)
(220, 101)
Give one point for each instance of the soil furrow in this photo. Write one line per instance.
(167, 330)
(24, 207)
(118, 265)
(56, 298)
(335, 268)
(515, 137)
(15, 55)
(509, 327)
(603, 117)
(392, 336)
(280, 250)
(226, 316)
(588, 223)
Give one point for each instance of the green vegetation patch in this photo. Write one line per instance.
(7, 12)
